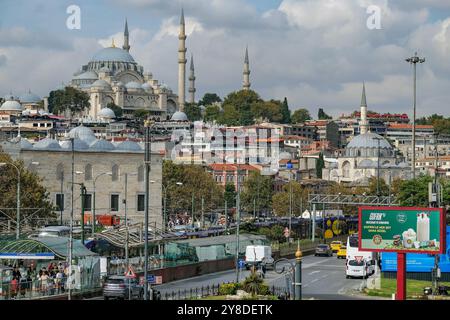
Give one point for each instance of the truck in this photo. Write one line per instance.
(255, 255)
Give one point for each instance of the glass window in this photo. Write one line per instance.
(141, 202)
(87, 202)
(114, 202)
(60, 201)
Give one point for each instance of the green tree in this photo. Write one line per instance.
(141, 114)
(208, 99)
(118, 111)
(212, 113)
(285, 111)
(230, 116)
(230, 195)
(196, 182)
(241, 101)
(300, 116)
(193, 111)
(257, 188)
(70, 99)
(33, 193)
(414, 192)
(321, 115)
(320, 164)
(270, 110)
(280, 200)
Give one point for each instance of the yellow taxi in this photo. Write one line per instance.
(335, 245)
(342, 253)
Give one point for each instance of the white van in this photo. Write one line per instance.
(255, 255)
(359, 268)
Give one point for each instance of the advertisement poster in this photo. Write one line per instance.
(401, 229)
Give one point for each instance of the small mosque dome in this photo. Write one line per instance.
(133, 85)
(11, 105)
(29, 97)
(106, 113)
(83, 133)
(47, 144)
(102, 145)
(128, 145)
(78, 145)
(179, 116)
(101, 84)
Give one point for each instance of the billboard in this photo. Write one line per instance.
(402, 229)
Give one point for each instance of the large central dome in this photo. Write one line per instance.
(112, 54)
(369, 140)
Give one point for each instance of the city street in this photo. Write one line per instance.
(322, 278)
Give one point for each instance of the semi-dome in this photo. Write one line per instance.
(88, 75)
(179, 116)
(83, 133)
(112, 54)
(77, 144)
(146, 86)
(11, 105)
(29, 97)
(133, 85)
(101, 84)
(25, 144)
(128, 145)
(369, 140)
(106, 113)
(102, 145)
(47, 144)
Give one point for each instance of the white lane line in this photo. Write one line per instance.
(311, 273)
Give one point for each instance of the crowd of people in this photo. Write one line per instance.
(48, 280)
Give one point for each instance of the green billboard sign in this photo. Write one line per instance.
(402, 229)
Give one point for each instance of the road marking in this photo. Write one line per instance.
(311, 273)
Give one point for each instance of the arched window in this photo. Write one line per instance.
(60, 172)
(115, 172)
(88, 172)
(346, 169)
(140, 173)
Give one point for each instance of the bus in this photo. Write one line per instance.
(353, 252)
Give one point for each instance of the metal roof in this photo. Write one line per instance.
(208, 241)
(58, 245)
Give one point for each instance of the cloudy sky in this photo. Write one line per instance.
(316, 53)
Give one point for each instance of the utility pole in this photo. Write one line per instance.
(414, 60)
(203, 213)
(126, 222)
(226, 217)
(61, 201)
(147, 161)
(238, 218)
(69, 294)
(192, 210)
(290, 210)
(83, 198)
(378, 166)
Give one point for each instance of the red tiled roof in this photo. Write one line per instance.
(231, 167)
(409, 126)
(295, 138)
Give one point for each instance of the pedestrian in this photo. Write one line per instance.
(14, 286)
(43, 279)
(51, 285)
(23, 286)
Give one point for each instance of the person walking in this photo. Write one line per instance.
(43, 279)
(14, 287)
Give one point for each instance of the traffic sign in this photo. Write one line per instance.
(158, 280)
(328, 234)
(286, 232)
(130, 273)
(358, 258)
(241, 263)
(151, 279)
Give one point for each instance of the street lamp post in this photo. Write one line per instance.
(414, 60)
(238, 218)
(147, 161)
(378, 166)
(94, 195)
(165, 188)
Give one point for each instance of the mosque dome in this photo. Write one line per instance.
(102, 145)
(101, 84)
(29, 97)
(112, 54)
(147, 86)
(47, 144)
(83, 133)
(106, 113)
(128, 145)
(179, 116)
(88, 75)
(133, 85)
(366, 145)
(11, 105)
(77, 145)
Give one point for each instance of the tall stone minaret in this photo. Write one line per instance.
(126, 38)
(182, 63)
(192, 81)
(246, 82)
(363, 125)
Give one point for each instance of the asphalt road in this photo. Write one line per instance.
(323, 278)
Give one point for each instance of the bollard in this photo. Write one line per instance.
(298, 274)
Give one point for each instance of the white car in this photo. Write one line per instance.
(359, 268)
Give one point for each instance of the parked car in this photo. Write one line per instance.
(342, 253)
(335, 245)
(323, 250)
(121, 287)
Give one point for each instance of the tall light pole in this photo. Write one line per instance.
(69, 294)
(238, 219)
(147, 161)
(378, 166)
(17, 197)
(93, 209)
(165, 188)
(414, 60)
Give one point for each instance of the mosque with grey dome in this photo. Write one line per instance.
(366, 155)
(113, 76)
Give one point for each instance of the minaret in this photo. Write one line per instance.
(192, 82)
(363, 125)
(182, 63)
(126, 39)
(246, 83)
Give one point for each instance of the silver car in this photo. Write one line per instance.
(121, 287)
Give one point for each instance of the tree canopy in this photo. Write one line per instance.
(280, 200)
(208, 99)
(71, 99)
(321, 115)
(300, 116)
(257, 188)
(193, 111)
(118, 111)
